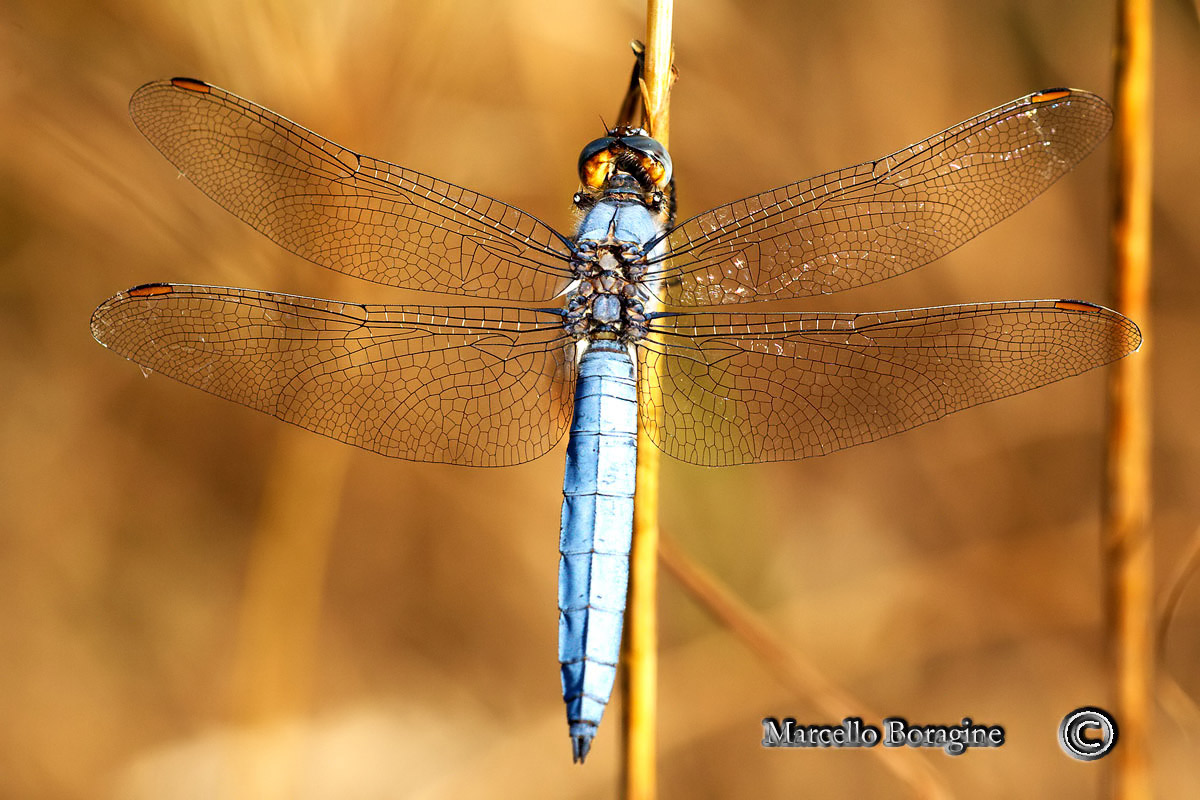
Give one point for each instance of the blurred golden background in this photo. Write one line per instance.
(200, 601)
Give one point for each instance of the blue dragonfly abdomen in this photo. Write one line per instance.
(597, 527)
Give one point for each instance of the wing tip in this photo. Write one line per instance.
(147, 96)
(100, 321)
(1066, 94)
(1132, 333)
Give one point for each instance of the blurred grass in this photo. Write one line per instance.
(947, 571)
(911, 768)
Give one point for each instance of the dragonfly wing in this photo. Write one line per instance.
(721, 389)
(479, 386)
(351, 213)
(866, 223)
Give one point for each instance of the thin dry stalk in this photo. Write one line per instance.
(798, 674)
(1128, 553)
(657, 80)
(641, 641)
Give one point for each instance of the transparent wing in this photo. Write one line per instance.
(720, 389)
(866, 223)
(348, 212)
(480, 386)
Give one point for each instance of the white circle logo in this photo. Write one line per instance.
(1074, 741)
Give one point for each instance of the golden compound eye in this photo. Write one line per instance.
(652, 157)
(655, 170)
(595, 162)
(597, 169)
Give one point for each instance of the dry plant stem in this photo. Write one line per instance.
(800, 675)
(1128, 554)
(641, 656)
(659, 54)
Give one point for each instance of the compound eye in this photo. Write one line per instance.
(596, 162)
(653, 156)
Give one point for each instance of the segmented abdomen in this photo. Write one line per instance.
(597, 522)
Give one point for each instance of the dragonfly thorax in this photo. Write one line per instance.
(607, 303)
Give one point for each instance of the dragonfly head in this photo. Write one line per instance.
(628, 151)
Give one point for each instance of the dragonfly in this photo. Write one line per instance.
(624, 323)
